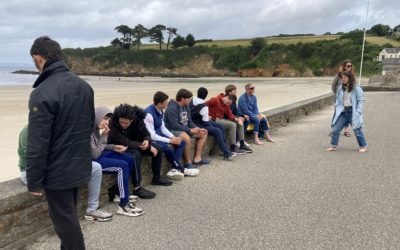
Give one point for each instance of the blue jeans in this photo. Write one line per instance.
(120, 164)
(172, 153)
(346, 118)
(257, 124)
(218, 131)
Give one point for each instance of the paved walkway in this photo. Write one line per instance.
(288, 195)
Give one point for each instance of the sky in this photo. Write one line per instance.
(91, 23)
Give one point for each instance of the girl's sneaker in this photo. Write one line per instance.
(98, 215)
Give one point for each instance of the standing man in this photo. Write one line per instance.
(248, 106)
(58, 157)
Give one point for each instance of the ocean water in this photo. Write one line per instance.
(7, 78)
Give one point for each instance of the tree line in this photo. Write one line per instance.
(133, 36)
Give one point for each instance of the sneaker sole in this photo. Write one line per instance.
(91, 218)
(130, 214)
(176, 177)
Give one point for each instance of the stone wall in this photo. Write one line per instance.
(24, 218)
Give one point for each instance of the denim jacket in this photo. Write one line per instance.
(357, 100)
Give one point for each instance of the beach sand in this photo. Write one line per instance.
(111, 91)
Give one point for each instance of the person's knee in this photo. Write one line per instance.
(96, 169)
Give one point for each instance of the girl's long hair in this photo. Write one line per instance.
(352, 80)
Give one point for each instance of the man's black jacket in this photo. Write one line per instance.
(61, 120)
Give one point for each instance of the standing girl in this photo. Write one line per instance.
(348, 109)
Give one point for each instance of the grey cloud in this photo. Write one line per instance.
(88, 23)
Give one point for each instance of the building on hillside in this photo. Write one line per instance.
(391, 67)
(388, 53)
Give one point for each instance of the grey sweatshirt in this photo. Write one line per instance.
(98, 143)
(178, 118)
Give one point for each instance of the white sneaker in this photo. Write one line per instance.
(245, 143)
(132, 206)
(192, 172)
(175, 174)
(98, 215)
(127, 211)
(132, 198)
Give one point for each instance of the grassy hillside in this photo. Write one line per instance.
(299, 55)
(282, 40)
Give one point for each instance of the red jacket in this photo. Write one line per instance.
(218, 110)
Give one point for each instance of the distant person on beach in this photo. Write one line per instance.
(348, 109)
(172, 146)
(128, 129)
(346, 66)
(200, 116)
(178, 120)
(248, 106)
(220, 112)
(114, 160)
(58, 158)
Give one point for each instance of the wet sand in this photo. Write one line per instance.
(111, 91)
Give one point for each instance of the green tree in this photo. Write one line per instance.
(190, 41)
(179, 41)
(139, 32)
(256, 45)
(156, 34)
(126, 35)
(380, 30)
(116, 42)
(171, 31)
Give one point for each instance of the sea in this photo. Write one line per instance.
(7, 78)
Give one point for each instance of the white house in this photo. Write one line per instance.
(389, 53)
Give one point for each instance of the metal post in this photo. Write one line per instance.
(363, 46)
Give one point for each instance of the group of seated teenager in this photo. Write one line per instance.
(123, 136)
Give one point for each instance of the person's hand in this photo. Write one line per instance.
(144, 145)
(195, 130)
(175, 141)
(241, 118)
(38, 194)
(203, 131)
(239, 121)
(259, 117)
(104, 130)
(246, 117)
(120, 148)
(153, 150)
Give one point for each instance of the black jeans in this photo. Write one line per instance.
(63, 213)
(155, 164)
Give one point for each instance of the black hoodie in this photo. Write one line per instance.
(134, 135)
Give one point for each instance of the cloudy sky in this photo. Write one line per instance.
(91, 23)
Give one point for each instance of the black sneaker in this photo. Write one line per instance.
(144, 193)
(238, 151)
(161, 182)
(246, 149)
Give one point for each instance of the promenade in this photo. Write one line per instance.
(288, 195)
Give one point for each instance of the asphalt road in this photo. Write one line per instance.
(288, 195)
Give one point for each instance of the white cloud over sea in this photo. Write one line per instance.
(89, 23)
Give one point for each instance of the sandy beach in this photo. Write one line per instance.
(111, 91)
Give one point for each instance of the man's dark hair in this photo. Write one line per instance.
(229, 88)
(47, 48)
(183, 93)
(202, 93)
(123, 111)
(159, 97)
